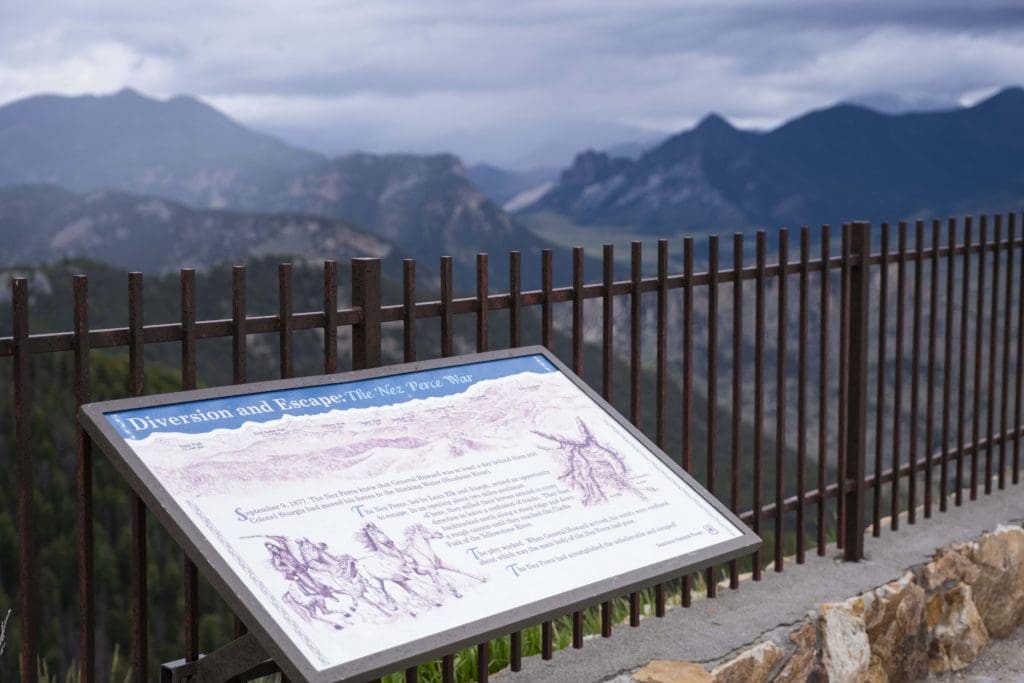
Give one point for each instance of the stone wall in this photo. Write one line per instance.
(936, 617)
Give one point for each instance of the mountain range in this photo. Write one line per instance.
(182, 180)
(842, 163)
(184, 150)
(40, 223)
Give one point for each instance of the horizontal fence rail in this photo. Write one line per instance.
(859, 381)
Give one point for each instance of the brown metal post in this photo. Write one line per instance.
(330, 317)
(856, 404)
(188, 381)
(139, 590)
(515, 291)
(482, 302)
(238, 323)
(409, 311)
(86, 592)
(284, 313)
(366, 298)
(23, 457)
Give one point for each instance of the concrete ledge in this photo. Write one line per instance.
(711, 629)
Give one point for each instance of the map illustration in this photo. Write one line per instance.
(592, 469)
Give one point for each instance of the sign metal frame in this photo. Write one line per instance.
(263, 625)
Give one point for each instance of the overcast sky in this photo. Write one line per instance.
(516, 82)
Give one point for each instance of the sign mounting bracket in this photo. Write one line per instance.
(243, 655)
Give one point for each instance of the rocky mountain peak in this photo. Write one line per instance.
(590, 166)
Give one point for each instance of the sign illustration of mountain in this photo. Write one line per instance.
(359, 522)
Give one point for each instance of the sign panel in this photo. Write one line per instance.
(363, 521)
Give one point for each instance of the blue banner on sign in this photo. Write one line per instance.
(198, 417)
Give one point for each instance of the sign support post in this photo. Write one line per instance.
(241, 656)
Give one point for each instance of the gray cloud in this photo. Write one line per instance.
(495, 80)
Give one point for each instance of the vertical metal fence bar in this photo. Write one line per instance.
(780, 400)
(607, 339)
(545, 285)
(188, 328)
(482, 303)
(711, 420)
(962, 370)
(284, 314)
(238, 325)
(139, 586)
(84, 471)
(1018, 408)
(853, 532)
(408, 310)
(844, 376)
(687, 398)
(661, 351)
(962, 367)
(897, 402)
(759, 296)
(801, 413)
(979, 343)
(330, 317)
(447, 322)
(546, 631)
(483, 650)
(483, 662)
(136, 356)
(915, 371)
(412, 675)
(929, 442)
(993, 351)
(607, 320)
(238, 355)
(577, 367)
(947, 365)
(635, 368)
(662, 374)
(24, 475)
(448, 669)
(635, 332)
(1004, 403)
(188, 381)
(737, 390)
(823, 391)
(687, 333)
(366, 298)
(516, 654)
(882, 389)
(515, 288)
(577, 310)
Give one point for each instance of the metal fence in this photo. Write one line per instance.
(834, 425)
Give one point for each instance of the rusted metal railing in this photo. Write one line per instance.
(825, 369)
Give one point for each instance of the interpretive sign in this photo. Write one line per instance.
(359, 523)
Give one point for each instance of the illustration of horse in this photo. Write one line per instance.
(429, 563)
(306, 595)
(387, 563)
(592, 468)
(342, 574)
